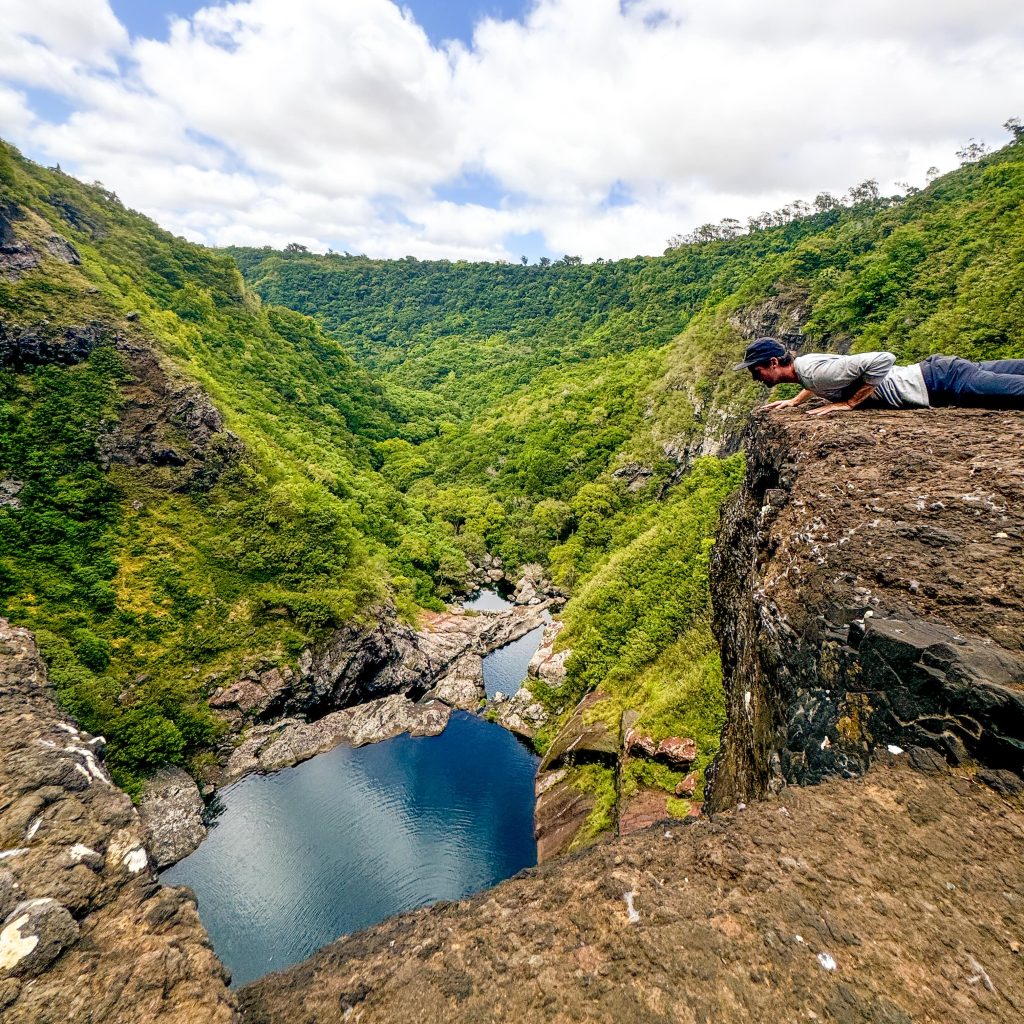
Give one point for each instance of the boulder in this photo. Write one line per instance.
(462, 686)
(547, 664)
(521, 713)
(638, 744)
(676, 752)
(34, 934)
(172, 812)
(687, 787)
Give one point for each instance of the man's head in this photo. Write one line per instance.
(769, 362)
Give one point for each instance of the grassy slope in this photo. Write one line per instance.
(144, 595)
(620, 358)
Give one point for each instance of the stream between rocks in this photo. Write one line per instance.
(300, 857)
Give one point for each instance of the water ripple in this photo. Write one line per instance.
(353, 836)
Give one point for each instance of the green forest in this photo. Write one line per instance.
(397, 418)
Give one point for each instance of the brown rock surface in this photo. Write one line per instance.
(268, 748)
(910, 883)
(868, 584)
(642, 809)
(87, 933)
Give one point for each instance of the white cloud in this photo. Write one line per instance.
(82, 30)
(340, 124)
(15, 115)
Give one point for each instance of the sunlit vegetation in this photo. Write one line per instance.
(399, 417)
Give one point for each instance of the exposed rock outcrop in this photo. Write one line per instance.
(868, 585)
(562, 808)
(85, 933)
(362, 663)
(462, 686)
(521, 713)
(166, 426)
(268, 748)
(781, 316)
(172, 810)
(546, 663)
(21, 347)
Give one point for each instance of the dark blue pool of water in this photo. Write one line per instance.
(487, 600)
(341, 842)
(505, 668)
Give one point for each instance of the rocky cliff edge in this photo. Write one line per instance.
(868, 584)
(869, 599)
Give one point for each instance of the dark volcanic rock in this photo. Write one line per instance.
(168, 426)
(868, 587)
(20, 348)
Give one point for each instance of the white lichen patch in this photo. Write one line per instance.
(4, 854)
(14, 946)
(80, 851)
(32, 829)
(92, 766)
(631, 911)
(827, 961)
(135, 860)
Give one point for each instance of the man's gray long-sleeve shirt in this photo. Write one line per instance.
(838, 377)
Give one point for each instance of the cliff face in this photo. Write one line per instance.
(868, 585)
(87, 933)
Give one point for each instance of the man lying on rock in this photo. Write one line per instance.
(850, 381)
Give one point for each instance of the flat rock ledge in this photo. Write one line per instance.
(890, 899)
(269, 748)
(86, 932)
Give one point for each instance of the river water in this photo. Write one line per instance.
(351, 837)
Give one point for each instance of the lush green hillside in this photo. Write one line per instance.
(429, 411)
(549, 379)
(146, 583)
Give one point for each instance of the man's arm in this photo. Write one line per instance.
(788, 403)
(861, 395)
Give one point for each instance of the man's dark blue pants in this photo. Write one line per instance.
(996, 384)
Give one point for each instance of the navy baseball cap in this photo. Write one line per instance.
(761, 351)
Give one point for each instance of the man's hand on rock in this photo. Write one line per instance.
(785, 403)
(827, 410)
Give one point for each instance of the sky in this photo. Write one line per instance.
(492, 129)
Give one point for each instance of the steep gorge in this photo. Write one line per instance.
(213, 517)
(890, 892)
